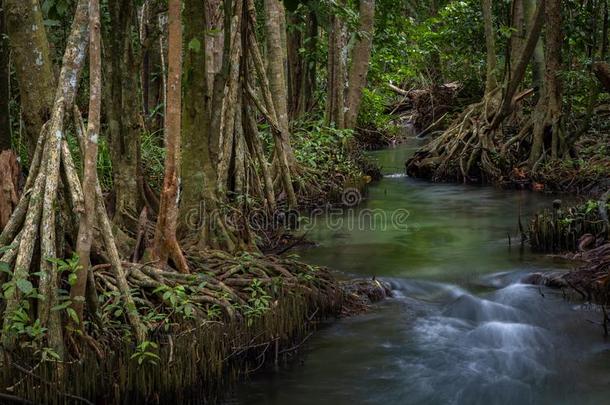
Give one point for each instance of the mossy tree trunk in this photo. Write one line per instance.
(335, 98)
(491, 80)
(548, 113)
(5, 124)
(87, 218)
(198, 174)
(33, 66)
(361, 56)
(278, 87)
(538, 63)
(518, 36)
(122, 106)
(33, 223)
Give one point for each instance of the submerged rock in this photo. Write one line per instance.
(359, 294)
(551, 279)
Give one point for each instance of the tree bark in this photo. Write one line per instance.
(5, 122)
(491, 81)
(33, 65)
(335, 99)
(518, 36)
(361, 56)
(547, 116)
(87, 219)
(196, 169)
(9, 185)
(165, 243)
(538, 64)
(123, 109)
(276, 54)
(296, 64)
(435, 68)
(285, 159)
(520, 69)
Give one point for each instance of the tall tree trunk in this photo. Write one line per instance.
(547, 116)
(123, 109)
(309, 76)
(335, 99)
(296, 63)
(276, 54)
(518, 36)
(491, 81)
(276, 74)
(521, 67)
(361, 55)
(5, 123)
(538, 67)
(229, 103)
(197, 170)
(33, 65)
(435, 68)
(165, 243)
(214, 39)
(87, 219)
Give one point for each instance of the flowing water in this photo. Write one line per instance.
(460, 328)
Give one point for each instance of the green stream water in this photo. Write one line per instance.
(460, 328)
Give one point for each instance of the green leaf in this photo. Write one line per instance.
(52, 23)
(72, 313)
(4, 267)
(25, 286)
(194, 45)
(61, 306)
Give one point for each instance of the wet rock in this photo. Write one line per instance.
(552, 279)
(359, 294)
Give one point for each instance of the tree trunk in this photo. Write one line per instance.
(286, 161)
(5, 122)
(33, 65)
(276, 54)
(491, 81)
(547, 118)
(123, 109)
(165, 243)
(87, 218)
(521, 67)
(361, 55)
(309, 76)
(335, 99)
(538, 64)
(213, 40)
(296, 63)
(435, 68)
(518, 36)
(229, 102)
(197, 170)
(9, 185)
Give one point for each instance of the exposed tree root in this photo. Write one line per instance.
(479, 146)
(210, 327)
(467, 151)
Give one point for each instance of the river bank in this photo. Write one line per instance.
(233, 314)
(194, 356)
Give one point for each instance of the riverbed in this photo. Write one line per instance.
(460, 328)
